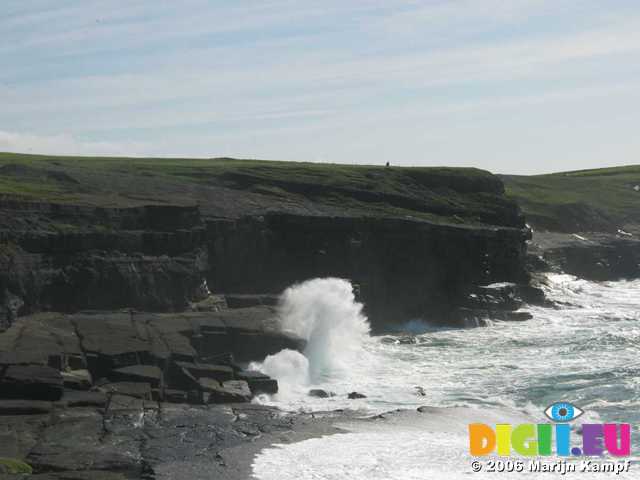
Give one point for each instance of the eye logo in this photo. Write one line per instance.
(563, 412)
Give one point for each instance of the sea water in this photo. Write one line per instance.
(585, 351)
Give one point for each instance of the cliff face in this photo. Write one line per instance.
(414, 242)
(586, 223)
(77, 257)
(107, 268)
(402, 269)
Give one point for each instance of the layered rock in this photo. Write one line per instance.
(401, 268)
(142, 355)
(414, 242)
(590, 255)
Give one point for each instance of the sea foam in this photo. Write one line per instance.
(325, 313)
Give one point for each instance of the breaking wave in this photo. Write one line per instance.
(325, 313)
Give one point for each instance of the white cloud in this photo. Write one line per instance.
(295, 79)
(66, 144)
(473, 15)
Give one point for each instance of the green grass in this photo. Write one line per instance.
(28, 188)
(600, 199)
(232, 187)
(15, 466)
(205, 171)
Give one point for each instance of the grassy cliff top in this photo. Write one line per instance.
(227, 187)
(585, 200)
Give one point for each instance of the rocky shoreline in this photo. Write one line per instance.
(133, 438)
(113, 395)
(597, 256)
(117, 360)
(157, 235)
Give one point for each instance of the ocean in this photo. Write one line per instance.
(585, 351)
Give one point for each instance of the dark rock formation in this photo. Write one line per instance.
(231, 391)
(36, 382)
(403, 269)
(258, 382)
(356, 395)
(132, 270)
(67, 257)
(176, 357)
(77, 379)
(73, 398)
(499, 301)
(320, 393)
(164, 442)
(25, 407)
(150, 374)
(590, 255)
(64, 257)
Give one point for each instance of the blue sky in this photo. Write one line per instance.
(512, 86)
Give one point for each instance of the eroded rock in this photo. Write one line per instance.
(31, 381)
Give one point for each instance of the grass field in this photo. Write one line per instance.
(601, 199)
(225, 186)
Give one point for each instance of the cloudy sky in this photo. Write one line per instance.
(520, 86)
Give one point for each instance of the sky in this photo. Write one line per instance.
(511, 86)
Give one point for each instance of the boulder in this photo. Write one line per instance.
(221, 373)
(517, 316)
(258, 382)
(233, 391)
(407, 340)
(138, 373)
(319, 393)
(36, 382)
(495, 297)
(77, 379)
(356, 395)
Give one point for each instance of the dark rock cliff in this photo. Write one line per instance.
(160, 234)
(586, 223)
(67, 258)
(164, 258)
(594, 256)
(402, 269)
(121, 257)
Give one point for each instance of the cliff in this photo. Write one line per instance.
(135, 292)
(585, 222)
(159, 234)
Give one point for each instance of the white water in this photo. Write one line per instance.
(323, 311)
(586, 352)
